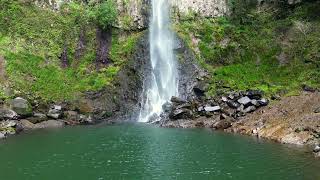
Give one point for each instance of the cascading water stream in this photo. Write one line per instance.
(164, 74)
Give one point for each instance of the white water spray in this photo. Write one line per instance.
(164, 80)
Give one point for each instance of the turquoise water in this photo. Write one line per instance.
(137, 151)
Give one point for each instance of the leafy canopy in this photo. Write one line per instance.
(104, 14)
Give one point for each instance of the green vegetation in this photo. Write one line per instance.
(32, 40)
(275, 50)
(104, 14)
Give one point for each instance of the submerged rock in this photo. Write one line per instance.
(50, 124)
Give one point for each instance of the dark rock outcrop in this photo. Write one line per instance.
(215, 112)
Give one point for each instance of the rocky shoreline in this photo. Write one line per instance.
(19, 116)
(290, 120)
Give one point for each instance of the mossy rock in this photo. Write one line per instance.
(21, 106)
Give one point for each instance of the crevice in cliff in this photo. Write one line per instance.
(103, 37)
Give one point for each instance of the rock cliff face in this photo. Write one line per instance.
(205, 8)
(134, 14)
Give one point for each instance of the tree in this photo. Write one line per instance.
(104, 15)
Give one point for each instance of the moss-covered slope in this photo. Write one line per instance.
(32, 41)
(275, 49)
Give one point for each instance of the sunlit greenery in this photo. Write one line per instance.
(273, 50)
(32, 39)
(104, 14)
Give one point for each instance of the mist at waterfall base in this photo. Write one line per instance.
(163, 83)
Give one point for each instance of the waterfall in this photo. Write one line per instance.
(163, 83)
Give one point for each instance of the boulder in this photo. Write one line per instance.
(244, 100)
(255, 103)
(308, 88)
(26, 125)
(200, 109)
(167, 107)
(8, 114)
(50, 124)
(71, 115)
(8, 127)
(233, 104)
(200, 89)
(8, 124)
(85, 119)
(85, 107)
(234, 95)
(21, 107)
(180, 114)
(37, 117)
(184, 105)
(224, 99)
(212, 108)
(55, 112)
(254, 94)
(222, 124)
(177, 100)
(249, 109)
(263, 102)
